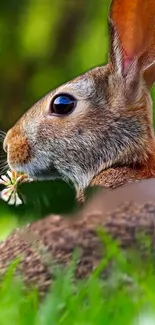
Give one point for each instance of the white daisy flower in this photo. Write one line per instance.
(10, 194)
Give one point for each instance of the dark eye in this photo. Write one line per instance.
(63, 104)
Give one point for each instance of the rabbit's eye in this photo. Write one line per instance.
(63, 104)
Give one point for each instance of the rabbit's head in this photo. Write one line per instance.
(100, 119)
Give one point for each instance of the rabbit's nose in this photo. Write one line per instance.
(17, 147)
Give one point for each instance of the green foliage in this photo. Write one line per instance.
(125, 296)
(45, 43)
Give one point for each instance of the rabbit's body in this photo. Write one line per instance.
(104, 134)
(124, 213)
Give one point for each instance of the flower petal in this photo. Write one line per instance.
(5, 179)
(5, 194)
(18, 200)
(9, 174)
(2, 182)
(12, 199)
(26, 180)
(21, 178)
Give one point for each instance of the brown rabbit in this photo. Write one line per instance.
(97, 129)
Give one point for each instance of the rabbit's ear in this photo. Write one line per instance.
(149, 76)
(133, 34)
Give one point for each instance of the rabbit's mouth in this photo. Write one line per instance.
(37, 172)
(44, 174)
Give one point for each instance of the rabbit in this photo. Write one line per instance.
(97, 129)
(124, 213)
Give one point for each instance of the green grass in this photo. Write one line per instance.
(125, 296)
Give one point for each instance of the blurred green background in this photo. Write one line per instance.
(44, 43)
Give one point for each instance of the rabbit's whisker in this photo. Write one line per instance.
(2, 132)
